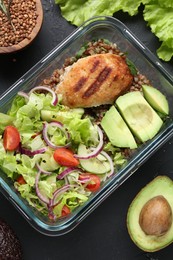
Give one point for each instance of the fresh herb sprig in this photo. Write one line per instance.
(6, 10)
(3, 7)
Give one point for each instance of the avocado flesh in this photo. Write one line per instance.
(156, 99)
(117, 130)
(161, 185)
(141, 118)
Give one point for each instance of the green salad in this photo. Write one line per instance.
(53, 183)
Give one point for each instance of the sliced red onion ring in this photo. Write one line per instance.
(85, 179)
(42, 170)
(41, 197)
(96, 150)
(32, 153)
(54, 96)
(68, 171)
(57, 193)
(111, 163)
(51, 215)
(46, 138)
(23, 94)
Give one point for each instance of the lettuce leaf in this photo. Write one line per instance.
(78, 11)
(5, 120)
(160, 19)
(18, 102)
(72, 200)
(158, 14)
(164, 52)
(165, 3)
(82, 131)
(48, 186)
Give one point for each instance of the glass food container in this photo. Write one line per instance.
(116, 32)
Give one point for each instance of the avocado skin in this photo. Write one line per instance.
(161, 185)
(10, 247)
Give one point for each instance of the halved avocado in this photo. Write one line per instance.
(156, 99)
(141, 118)
(150, 215)
(116, 129)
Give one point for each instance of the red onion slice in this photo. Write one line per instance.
(68, 171)
(96, 150)
(85, 179)
(41, 197)
(54, 95)
(51, 215)
(23, 94)
(46, 138)
(111, 163)
(32, 153)
(57, 193)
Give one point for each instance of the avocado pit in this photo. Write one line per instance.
(156, 216)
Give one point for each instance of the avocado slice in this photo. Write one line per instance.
(117, 130)
(157, 193)
(141, 118)
(156, 99)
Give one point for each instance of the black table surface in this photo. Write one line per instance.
(103, 234)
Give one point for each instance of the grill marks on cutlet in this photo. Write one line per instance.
(95, 65)
(94, 87)
(80, 84)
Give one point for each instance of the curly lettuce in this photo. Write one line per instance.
(160, 18)
(78, 11)
(157, 13)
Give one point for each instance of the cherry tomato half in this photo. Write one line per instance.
(11, 138)
(65, 211)
(94, 183)
(21, 180)
(65, 157)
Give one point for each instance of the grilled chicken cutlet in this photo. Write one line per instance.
(94, 80)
